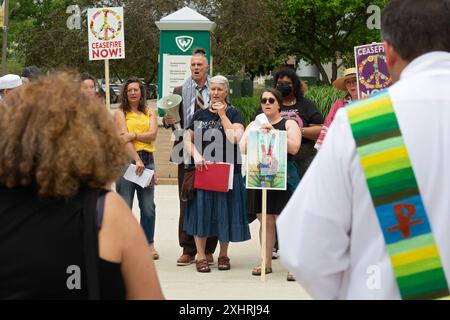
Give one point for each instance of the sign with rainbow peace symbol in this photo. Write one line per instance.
(372, 71)
(106, 33)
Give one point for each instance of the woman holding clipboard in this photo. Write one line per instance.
(213, 213)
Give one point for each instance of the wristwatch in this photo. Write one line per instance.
(303, 132)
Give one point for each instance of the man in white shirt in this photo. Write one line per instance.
(329, 233)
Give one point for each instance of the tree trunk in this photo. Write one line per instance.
(322, 71)
(242, 72)
(333, 71)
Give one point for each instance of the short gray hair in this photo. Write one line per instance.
(221, 80)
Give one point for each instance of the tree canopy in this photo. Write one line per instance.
(324, 31)
(252, 36)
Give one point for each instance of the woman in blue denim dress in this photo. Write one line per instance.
(213, 136)
(137, 126)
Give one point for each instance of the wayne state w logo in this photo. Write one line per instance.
(184, 42)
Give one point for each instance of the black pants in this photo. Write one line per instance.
(187, 241)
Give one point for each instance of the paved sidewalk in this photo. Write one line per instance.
(238, 283)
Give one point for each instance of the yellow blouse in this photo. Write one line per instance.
(140, 123)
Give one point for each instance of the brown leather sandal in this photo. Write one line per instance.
(202, 266)
(223, 263)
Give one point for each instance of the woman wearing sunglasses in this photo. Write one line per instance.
(271, 101)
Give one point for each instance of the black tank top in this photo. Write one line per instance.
(41, 250)
(281, 125)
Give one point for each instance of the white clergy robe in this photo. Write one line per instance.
(329, 234)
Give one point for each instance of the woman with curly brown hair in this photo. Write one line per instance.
(137, 126)
(62, 234)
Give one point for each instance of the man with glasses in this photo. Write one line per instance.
(195, 96)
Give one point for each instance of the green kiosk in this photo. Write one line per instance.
(181, 32)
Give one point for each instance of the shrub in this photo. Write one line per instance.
(247, 106)
(323, 97)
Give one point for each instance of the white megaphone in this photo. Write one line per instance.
(170, 104)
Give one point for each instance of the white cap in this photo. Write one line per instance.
(10, 81)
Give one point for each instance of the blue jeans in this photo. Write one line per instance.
(146, 197)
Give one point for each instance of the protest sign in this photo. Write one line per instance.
(267, 160)
(372, 72)
(106, 33)
(266, 170)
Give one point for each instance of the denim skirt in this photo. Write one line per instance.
(221, 214)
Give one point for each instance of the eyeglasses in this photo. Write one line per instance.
(265, 100)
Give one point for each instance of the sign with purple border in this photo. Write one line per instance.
(372, 72)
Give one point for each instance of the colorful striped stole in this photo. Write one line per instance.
(395, 194)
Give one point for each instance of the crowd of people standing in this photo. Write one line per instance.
(207, 218)
(61, 152)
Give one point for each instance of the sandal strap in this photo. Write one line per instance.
(202, 265)
(223, 260)
(258, 270)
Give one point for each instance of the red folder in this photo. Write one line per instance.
(214, 178)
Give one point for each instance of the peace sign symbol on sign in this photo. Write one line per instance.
(107, 31)
(377, 79)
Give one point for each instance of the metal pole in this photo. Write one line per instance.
(5, 38)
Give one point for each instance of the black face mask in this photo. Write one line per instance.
(284, 90)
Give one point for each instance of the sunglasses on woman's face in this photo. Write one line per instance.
(265, 100)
